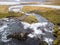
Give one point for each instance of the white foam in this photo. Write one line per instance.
(26, 25)
(31, 35)
(35, 25)
(2, 28)
(4, 34)
(37, 32)
(46, 40)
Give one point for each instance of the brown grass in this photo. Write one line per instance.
(31, 8)
(3, 8)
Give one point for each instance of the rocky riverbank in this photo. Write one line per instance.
(14, 29)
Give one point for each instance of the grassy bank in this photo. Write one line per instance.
(29, 19)
(32, 8)
(3, 15)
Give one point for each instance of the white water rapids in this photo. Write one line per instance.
(44, 29)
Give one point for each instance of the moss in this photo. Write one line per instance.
(3, 15)
(55, 42)
(30, 19)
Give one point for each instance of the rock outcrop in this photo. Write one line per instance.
(15, 29)
(19, 36)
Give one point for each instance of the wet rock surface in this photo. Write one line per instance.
(15, 32)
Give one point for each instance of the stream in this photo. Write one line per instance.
(9, 26)
(42, 29)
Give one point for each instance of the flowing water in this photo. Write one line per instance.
(9, 26)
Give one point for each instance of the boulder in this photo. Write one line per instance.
(18, 36)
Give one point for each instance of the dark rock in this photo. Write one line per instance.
(18, 36)
(1, 23)
(43, 43)
(58, 24)
(10, 16)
